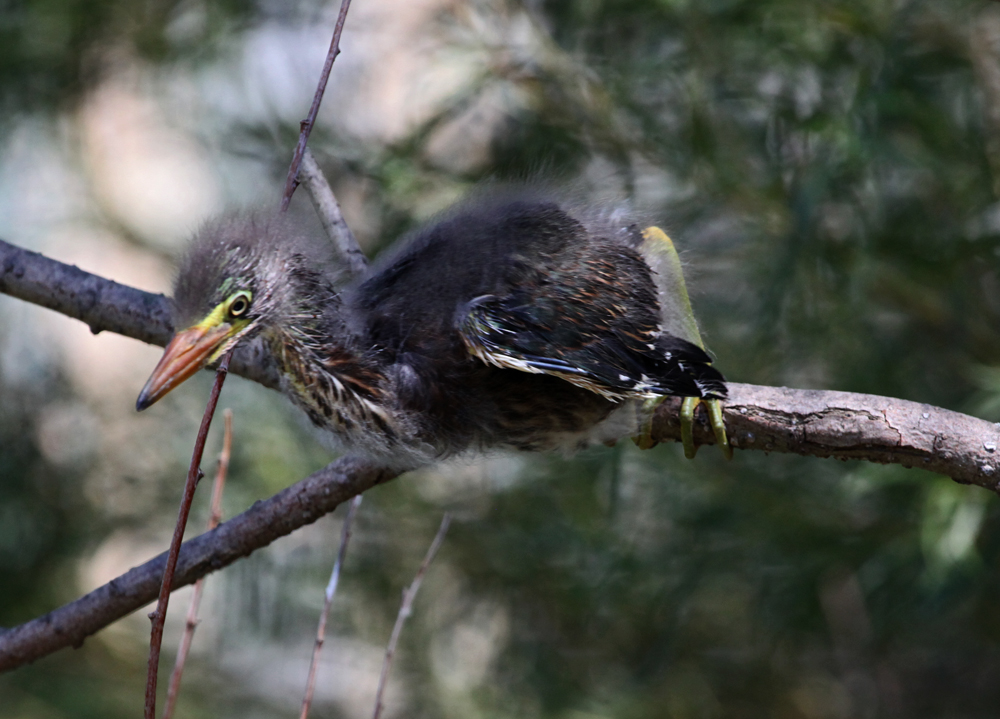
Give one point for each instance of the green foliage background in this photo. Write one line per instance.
(829, 169)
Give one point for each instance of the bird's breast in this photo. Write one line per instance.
(341, 394)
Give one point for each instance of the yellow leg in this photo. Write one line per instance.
(714, 407)
(678, 318)
(688, 406)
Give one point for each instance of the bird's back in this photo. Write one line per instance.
(479, 250)
(568, 314)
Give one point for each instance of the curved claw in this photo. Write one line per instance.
(715, 418)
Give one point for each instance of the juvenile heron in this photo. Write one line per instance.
(516, 321)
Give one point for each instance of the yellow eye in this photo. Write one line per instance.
(240, 304)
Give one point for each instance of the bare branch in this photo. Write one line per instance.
(331, 590)
(845, 425)
(99, 303)
(301, 504)
(103, 304)
(820, 423)
(405, 609)
(330, 216)
(191, 622)
(307, 124)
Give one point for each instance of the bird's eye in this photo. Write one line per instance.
(239, 305)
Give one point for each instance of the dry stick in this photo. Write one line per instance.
(307, 125)
(328, 209)
(330, 215)
(192, 616)
(405, 610)
(194, 474)
(331, 589)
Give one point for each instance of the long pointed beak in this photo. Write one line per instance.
(187, 353)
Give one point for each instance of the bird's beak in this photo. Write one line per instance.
(187, 353)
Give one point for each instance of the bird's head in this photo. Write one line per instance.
(241, 274)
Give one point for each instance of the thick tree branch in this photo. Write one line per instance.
(101, 304)
(809, 422)
(301, 504)
(845, 425)
(772, 419)
(105, 305)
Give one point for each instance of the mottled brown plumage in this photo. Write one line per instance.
(514, 321)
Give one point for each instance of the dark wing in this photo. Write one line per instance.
(589, 316)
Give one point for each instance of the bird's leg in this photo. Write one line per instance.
(644, 440)
(659, 248)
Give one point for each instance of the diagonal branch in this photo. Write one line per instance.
(328, 209)
(771, 419)
(302, 503)
(105, 305)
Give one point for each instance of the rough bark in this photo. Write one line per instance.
(105, 305)
(301, 504)
(845, 425)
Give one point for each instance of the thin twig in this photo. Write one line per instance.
(331, 590)
(192, 615)
(194, 474)
(405, 609)
(307, 125)
(984, 51)
(330, 215)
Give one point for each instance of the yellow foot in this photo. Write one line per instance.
(644, 440)
(714, 408)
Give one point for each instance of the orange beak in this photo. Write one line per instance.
(187, 353)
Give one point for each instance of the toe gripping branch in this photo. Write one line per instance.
(644, 440)
(714, 409)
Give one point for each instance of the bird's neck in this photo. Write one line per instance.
(325, 374)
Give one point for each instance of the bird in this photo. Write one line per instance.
(517, 320)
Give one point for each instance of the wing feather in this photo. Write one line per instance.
(593, 320)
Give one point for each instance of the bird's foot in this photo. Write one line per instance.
(644, 440)
(714, 409)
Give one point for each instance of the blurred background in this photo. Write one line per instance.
(830, 171)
